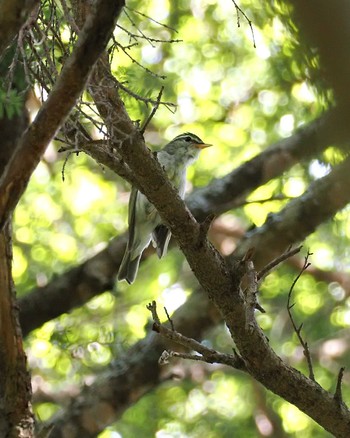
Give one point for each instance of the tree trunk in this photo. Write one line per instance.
(16, 418)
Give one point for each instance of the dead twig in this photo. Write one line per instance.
(150, 18)
(205, 354)
(297, 330)
(338, 397)
(240, 11)
(169, 319)
(277, 261)
(153, 112)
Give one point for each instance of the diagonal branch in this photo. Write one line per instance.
(206, 354)
(69, 86)
(65, 292)
(331, 128)
(272, 371)
(221, 281)
(300, 217)
(151, 180)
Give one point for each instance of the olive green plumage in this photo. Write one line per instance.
(144, 221)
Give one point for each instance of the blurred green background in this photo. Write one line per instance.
(240, 98)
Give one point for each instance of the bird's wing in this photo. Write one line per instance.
(132, 216)
(161, 236)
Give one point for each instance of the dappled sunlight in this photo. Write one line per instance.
(174, 297)
(243, 100)
(293, 419)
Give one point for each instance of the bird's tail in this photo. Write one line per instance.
(128, 268)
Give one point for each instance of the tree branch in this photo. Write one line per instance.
(70, 84)
(276, 262)
(275, 374)
(308, 142)
(206, 354)
(222, 283)
(269, 240)
(129, 377)
(300, 217)
(338, 391)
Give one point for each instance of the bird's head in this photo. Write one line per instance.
(186, 147)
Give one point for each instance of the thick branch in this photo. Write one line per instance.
(61, 100)
(151, 180)
(331, 128)
(300, 217)
(78, 285)
(223, 286)
(326, 195)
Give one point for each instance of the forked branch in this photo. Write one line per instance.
(206, 354)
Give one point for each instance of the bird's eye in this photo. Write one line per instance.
(188, 138)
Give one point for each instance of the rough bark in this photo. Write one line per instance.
(271, 371)
(94, 276)
(16, 418)
(19, 155)
(220, 279)
(70, 84)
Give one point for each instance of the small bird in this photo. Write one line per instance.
(144, 221)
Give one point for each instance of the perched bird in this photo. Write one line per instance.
(144, 221)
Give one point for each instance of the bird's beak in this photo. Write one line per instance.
(203, 145)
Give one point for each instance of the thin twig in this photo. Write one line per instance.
(206, 354)
(154, 40)
(169, 319)
(65, 164)
(242, 203)
(297, 330)
(277, 261)
(150, 18)
(153, 112)
(134, 61)
(146, 100)
(132, 22)
(68, 16)
(239, 10)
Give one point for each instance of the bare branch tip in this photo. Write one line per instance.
(169, 319)
(338, 397)
(249, 254)
(152, 307)
(206, 224)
